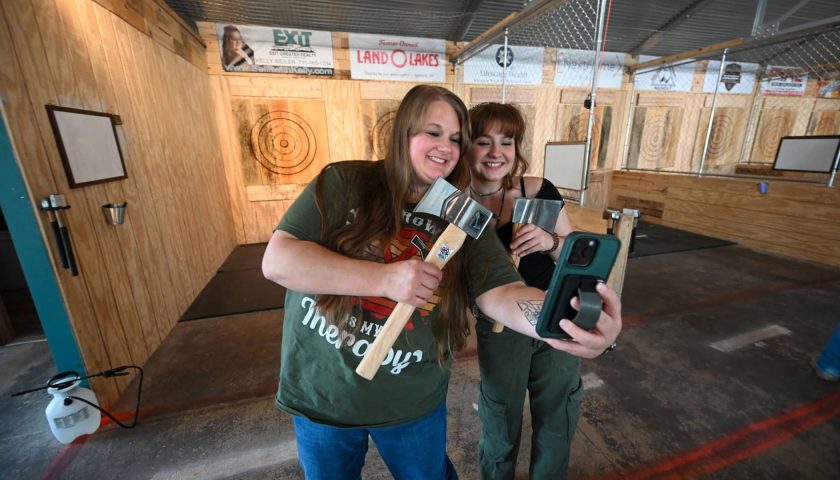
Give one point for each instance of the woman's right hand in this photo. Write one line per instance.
(411, 281)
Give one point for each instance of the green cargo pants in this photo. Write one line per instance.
(509, 364)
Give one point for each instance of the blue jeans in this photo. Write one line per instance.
(829, 360)
(412, 451)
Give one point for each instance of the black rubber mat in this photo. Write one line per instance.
(652, 239)
(244, 257)
(238, 287)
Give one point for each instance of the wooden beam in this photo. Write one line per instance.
(488, 36)
(704, 51)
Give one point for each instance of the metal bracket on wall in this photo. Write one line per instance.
(53, 205)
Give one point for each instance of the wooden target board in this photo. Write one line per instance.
(826, 122)
(725, 140)
(282, 141)
(573, 123)
(773, 124)
(656, 134)
(527, 147)
(378, 118)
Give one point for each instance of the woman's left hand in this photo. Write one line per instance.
(590, 344)
(529, 239)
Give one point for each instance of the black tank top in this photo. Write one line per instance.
(536, 268)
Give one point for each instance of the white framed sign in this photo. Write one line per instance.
(88, 144)
(564, 162)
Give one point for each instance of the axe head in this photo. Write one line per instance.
(443, 200)
(542, 213)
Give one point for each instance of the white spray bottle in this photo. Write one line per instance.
(70, 418)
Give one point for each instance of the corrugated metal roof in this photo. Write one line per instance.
(649, 27)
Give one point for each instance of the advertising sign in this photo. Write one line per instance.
(247, 48)
(668, 78)
(524, 66)
(738, 77)
(410, 59)
(777, 82)
(574, 69)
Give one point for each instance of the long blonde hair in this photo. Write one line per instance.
(379, 205)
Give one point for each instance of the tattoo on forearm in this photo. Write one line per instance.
(531, 309)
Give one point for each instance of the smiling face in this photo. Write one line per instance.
(435, 149)
(493, 155)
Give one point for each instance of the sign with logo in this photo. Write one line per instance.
(524, 66)
(738, 77)
(776, 81)
(410, 59)
(246, 48)
(828, 88)
(574, 68)
(666, 78)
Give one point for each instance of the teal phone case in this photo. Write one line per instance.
(569, 276)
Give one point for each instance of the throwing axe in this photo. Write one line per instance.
(536, 211)
(466, 217)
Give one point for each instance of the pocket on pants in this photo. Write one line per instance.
(496, 439)
(573, 409)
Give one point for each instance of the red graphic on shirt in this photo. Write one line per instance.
(400, 249)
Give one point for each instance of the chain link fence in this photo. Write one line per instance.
(726, 114)
(555, 46)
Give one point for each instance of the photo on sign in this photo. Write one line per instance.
(247, 48)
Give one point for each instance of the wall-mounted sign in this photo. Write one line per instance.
(574, 68)
(828, 88)
(668, 78)
(410, 59)
(776, 81)
(737, 77)
(524, 66)
(246, 48)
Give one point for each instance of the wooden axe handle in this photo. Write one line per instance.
(449, 242)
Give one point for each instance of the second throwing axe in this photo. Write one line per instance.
(465, 217)
(536, 211)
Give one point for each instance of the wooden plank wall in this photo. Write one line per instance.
(356, 115)
(797, 220)
(136, 279)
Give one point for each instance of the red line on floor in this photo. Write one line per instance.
(64, 457)
(183, 407)
(743, 443)
(60, 463)
(750, 293)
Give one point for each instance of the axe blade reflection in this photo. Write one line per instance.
(443, 200)
(539, 212)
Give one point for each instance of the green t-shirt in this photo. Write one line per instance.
(318, 362)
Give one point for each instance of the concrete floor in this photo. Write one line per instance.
(711, 380)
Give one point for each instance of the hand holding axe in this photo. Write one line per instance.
(465, 217)
(536, 211)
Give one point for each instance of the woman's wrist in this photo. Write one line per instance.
(555, 237)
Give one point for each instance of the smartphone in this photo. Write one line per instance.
(585, 259)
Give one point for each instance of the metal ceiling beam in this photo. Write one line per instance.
(512, 22)
(469, 13)
(671, 24)
(740, 44)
